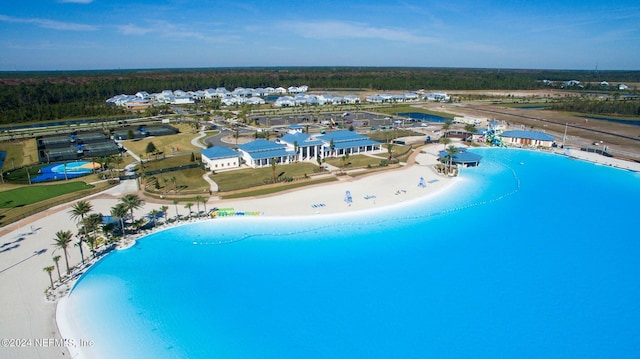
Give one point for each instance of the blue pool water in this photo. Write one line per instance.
(67, 170)
(529, 255)
(424, 116)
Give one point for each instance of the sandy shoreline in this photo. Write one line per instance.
(28, 321)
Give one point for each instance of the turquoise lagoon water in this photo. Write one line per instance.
(528, 255)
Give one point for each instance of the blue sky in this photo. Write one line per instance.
(101, 34)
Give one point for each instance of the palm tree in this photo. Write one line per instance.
(175, 184)
(62, 240)
(91, 241)
(345, 161)
(188, 205)
(389, 151)
(470, 128)
(79, 245)
(198, 200)
(105, 162)
(79, 210)
(154, 214)
(56, 259)
(273, 169)
(118, 161)
(131, 202)
(175, 203)
(165, 180)
(204, 203)
(451, 151)
(49, 269)
(164, 210)
(445, 141)
(119, 211)
(93, 223)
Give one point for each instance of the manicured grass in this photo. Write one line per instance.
(278, 188)
(13, 209)
(246, 178)
(23, 196)
(19, 153)
(187, 181)
(383, 136)
(168, 162)
(180, 142)
(357, 161)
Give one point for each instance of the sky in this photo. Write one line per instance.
(133, 34)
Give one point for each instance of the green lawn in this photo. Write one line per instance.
(19, 153)
(247, 178)
(357, 161)
(270, 190)
(187, 181)
(180, 142)
(383, 136)
(169, 162)
(23, 196)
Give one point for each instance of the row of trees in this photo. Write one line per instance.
(597, 106)
(94, 233)
(42, 96)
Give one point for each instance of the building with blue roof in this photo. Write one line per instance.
(308, 147)
(339, 143)
(523, 138)
(305, 146)
(259, 153)
(462, 157)
(218, 157)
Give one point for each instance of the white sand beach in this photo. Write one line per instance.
(28, 324)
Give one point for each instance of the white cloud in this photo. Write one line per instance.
(49, 24)
(166, 29)
(131, 29)
(352, 30)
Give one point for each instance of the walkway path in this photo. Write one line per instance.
(196, 140)
(213, 187)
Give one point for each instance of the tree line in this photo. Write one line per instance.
(45, 96)
(601, 107)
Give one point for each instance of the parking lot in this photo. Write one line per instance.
(359, 120)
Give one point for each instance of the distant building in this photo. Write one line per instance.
(527, 138)
(437, 96)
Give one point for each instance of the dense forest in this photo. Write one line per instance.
(44, 96)
(600, 107)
